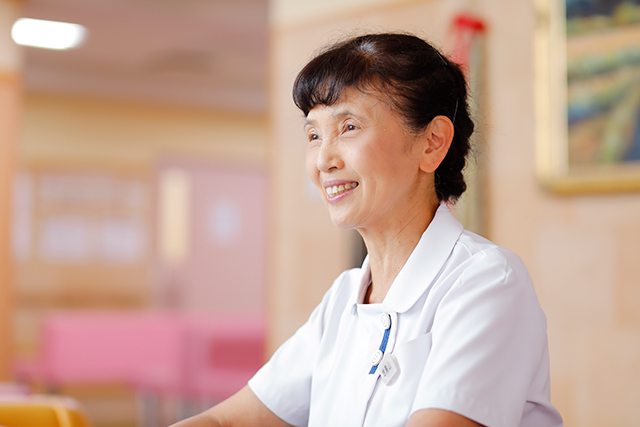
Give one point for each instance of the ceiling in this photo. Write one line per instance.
(205, 53)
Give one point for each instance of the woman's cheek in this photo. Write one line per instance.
(311, 164)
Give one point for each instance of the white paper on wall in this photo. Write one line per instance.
(66, 239)
(121, 241)
(224, 222)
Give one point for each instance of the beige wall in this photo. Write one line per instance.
(61, 130)
(581, 250)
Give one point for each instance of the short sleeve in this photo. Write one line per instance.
(488, 342)
(283, 384)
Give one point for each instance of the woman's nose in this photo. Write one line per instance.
(329, 157)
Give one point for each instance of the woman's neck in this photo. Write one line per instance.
(389, 249)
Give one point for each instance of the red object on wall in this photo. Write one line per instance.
(465, 28)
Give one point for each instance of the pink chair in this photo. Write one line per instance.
(222, 354)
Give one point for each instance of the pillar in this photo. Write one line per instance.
(10, 100)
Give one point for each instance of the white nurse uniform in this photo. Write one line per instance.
(460, 329)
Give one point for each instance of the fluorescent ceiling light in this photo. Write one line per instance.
(47, 34)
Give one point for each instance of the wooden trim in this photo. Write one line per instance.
(9, 112)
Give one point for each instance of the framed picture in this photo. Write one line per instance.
(588, 95)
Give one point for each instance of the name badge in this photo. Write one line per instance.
(388, 368)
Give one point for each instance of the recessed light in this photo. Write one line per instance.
(47, 34)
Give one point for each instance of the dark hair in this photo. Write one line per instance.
(419, 82)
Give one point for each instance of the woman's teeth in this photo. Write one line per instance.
(336, 190)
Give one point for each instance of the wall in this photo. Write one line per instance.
(581, 250)
(62, 130)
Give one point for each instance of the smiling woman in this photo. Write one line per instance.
(439, 327)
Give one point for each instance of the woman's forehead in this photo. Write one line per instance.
(352, 102)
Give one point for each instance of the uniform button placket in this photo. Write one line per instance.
(385, 319)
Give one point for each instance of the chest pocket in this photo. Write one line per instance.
(412, 356)
(398, 395)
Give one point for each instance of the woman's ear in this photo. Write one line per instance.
(437, 140)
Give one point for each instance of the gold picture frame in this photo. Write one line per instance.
(587, 94)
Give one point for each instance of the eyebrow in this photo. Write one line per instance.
(334, 114)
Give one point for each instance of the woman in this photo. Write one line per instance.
(439, 327)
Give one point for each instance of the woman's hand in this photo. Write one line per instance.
(241, 409)
(439, 418)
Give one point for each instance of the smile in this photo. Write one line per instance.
(336, 190)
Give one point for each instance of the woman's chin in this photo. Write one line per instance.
(342, 222)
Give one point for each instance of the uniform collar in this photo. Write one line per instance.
(423, 265)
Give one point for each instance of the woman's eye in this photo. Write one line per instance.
(313, 137)
(350, 127)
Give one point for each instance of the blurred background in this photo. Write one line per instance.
(154, 206)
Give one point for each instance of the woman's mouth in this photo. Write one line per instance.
(336, 190)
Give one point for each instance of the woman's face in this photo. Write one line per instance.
(364, 162)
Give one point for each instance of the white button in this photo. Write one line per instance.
(386, 321)
(377, 357)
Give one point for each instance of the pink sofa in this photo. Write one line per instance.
(208, 356)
